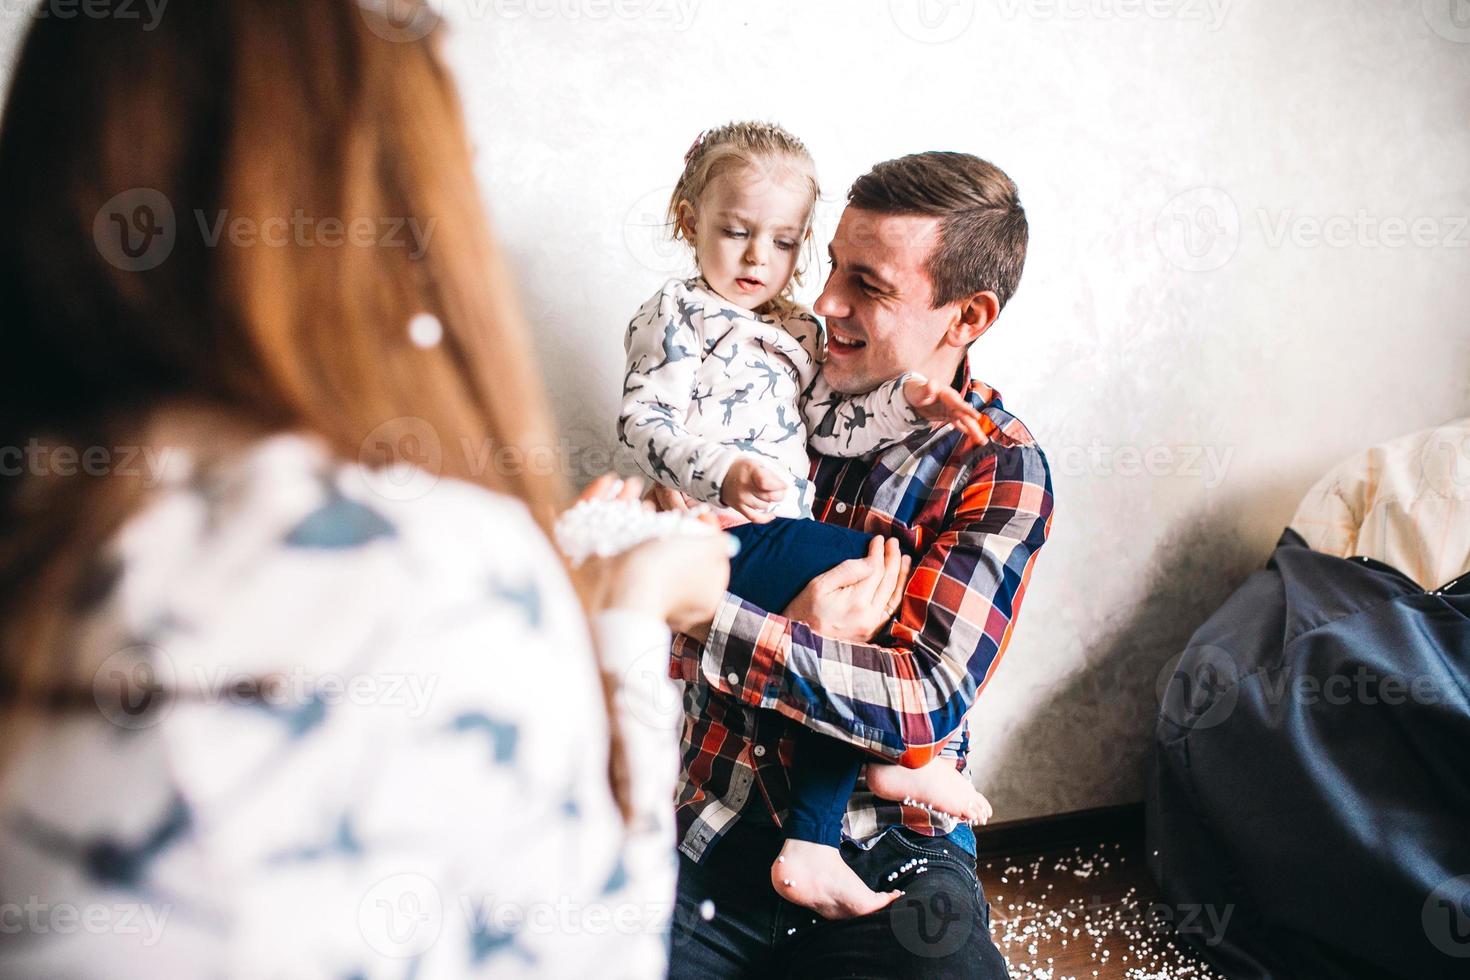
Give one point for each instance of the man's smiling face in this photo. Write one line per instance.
(878, 303)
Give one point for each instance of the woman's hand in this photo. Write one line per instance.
(679, 579)
(854, 600)
(941, 403)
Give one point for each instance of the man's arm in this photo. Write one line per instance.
(902, 699)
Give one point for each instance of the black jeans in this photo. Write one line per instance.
(939, 928)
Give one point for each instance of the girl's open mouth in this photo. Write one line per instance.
(749, 285)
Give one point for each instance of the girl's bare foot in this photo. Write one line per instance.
(939, 785)
(814, 876)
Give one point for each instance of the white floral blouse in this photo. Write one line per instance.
(387, 756)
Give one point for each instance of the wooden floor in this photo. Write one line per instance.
(1083, 909)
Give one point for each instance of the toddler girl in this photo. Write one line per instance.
(722, 397)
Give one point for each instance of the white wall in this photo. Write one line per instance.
(1174, 157)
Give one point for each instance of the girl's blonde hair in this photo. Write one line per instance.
(738, 145)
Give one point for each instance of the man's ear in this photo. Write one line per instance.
(976, 313)
(684, 217)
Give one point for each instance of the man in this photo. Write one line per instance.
(927, 253)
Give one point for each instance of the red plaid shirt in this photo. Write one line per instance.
(974, 515)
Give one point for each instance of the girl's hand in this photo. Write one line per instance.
(680, 579)
(855, 599)
(941, 403)
(753, 490)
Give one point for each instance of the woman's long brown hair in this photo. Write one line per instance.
(238, 114)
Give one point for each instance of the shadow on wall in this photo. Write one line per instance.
(1091, 736)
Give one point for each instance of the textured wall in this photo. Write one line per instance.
(1250, 258)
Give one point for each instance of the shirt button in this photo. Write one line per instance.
(841, 508)
(733, 678)
(760, 750)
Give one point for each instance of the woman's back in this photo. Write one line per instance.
(363, 695)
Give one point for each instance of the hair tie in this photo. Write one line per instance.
(698, 142)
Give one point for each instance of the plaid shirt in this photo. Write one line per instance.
(974, 516)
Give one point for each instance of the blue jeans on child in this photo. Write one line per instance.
(775, 563)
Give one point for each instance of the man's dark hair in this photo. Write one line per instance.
(983, 233)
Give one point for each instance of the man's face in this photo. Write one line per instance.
(878, 303)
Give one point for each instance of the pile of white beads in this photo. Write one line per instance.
(602, 528)
(920, 863)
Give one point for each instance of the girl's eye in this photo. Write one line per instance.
(784, 245)
(734, 233)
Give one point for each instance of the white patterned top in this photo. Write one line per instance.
(708, 382)
(387, 757)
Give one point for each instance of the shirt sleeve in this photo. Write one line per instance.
(903, 697)
(663, 357)
(849, 425)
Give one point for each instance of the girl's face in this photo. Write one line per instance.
(747, 229)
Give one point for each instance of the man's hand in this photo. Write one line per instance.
(752, 489)
(941, 403)
(855, 599)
